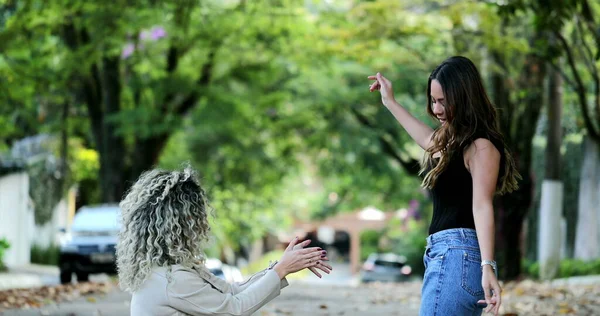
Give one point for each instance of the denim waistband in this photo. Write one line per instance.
(458, 236)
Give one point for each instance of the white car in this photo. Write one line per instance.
(226, 272)
(89, 245)
(385, 267)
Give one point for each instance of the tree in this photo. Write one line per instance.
(516, 80)
(574, 26)
(140, 67)
(550, 213)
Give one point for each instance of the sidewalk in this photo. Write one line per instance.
(33, 268)
(577, 280)
(27, 276)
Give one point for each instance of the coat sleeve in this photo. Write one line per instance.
(238, 287)
(194, 295)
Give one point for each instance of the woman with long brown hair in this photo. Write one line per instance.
(466, 162)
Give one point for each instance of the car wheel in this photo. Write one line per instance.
(82, 277)
(65, 276)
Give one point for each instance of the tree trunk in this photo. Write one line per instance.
(146, 155)
(64, 149)
(572, 160)
(511, 210)
(587, 242)
(554, 136)
(550, 234)
(518, 127)
(112, 148)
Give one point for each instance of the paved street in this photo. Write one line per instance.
(340, 294)
(297, 299)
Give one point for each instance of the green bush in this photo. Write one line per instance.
(572, 267)
(567, 268)
(47, 256)
(369, 243)
(410, 242)
(4, 244)
(531, 268)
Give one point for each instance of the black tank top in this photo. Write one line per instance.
(452, 194)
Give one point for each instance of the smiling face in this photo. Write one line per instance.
(438, 102)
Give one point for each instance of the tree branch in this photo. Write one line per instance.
(90, 86)
(586, 51)
(580, 90)
(172, 59)
(588, 57)
(411, 166)
(203, 81)
(588, 15)
(501, 98)
(566, 78)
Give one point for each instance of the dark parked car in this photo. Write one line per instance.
(89, 246)
(385, 267)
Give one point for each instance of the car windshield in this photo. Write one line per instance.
(96, 220)
(391, 264)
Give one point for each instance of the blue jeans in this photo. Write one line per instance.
(452, 282)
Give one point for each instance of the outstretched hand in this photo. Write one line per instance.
(322, 265)
(384, 86)
(294, 260)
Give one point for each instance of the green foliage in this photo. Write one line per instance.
(268, 99)
(531, 268)
(84, 164)
(410, 242)
(572, 267)
(46, 256)
(567, 268)
(406, 237)
(369, 243)
(4, 244)
(45, 188)
(259, 96)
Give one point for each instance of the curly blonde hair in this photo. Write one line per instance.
(164, 221)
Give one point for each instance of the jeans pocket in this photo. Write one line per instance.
(435, 253)
(471, 274)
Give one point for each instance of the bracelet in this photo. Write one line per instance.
(490, 263)
(272, 264)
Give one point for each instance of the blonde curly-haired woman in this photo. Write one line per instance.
(160, 253)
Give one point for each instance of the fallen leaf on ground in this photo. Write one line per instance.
(37, 297)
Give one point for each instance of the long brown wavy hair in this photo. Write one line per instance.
(468, 111)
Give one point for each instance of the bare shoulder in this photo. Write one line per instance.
(481, 151)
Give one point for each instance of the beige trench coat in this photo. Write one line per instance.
(199, 292)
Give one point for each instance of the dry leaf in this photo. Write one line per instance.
(37, 297)
(565, 311)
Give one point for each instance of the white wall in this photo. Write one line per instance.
(17, 222)
(47, 234)
(15, 217)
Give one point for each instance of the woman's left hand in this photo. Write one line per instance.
(492, 290)
(323, 266)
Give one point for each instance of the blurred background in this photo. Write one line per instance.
(269, 101)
